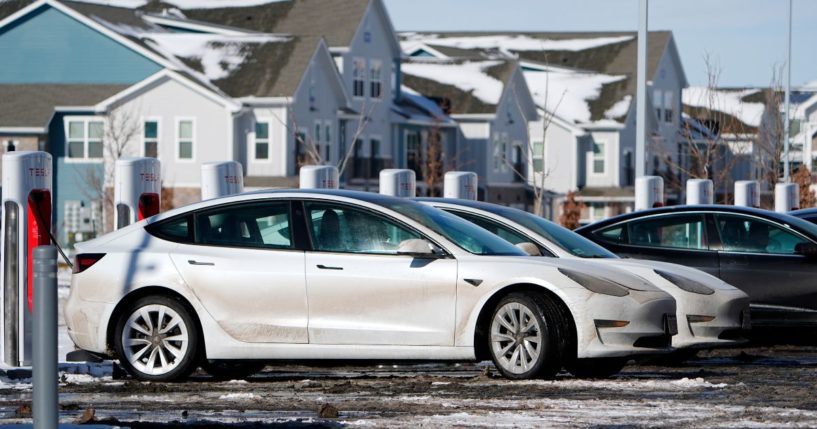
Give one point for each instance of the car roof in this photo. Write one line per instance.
(804, 212)
(723, 208)
(482, 205)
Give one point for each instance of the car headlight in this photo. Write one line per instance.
(596, 284)
(685, 283)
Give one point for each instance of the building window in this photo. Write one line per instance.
(538, 156)
(375, 78)
(150, 138)
(85, 138)
(498, 157)
(668, 108)
(596, 211)
(504, 154)
(11, 146)
(185, 136)
(262, 140)
(598, 157)
(359, 77)
(327, 137)
(375, 162)
(657, 102)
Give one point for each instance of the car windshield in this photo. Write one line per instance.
(559, 235)
(464, 234)
(805, 226)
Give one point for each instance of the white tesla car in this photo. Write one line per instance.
(347, 275)
(711, 312)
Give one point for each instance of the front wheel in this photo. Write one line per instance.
(596, 367)
(156, 339)
(523, 339)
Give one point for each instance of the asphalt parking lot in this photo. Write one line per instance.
(736, 388)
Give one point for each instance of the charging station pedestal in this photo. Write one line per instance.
(649, 192)
(319, 177)
(219, 179)
(747, 193)
(461, 185)
(398, 182)
(786, 197)
(137, 190)
(700, 191)
(27, 184)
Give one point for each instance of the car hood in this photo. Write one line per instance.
(681, 270)
(529, 266)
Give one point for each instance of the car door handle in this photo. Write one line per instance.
(192, 262)
(326, 267)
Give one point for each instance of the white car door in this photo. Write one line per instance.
(360, 291)
(246, 272)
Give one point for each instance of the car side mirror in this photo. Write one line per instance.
(809, 250)
(529, 248)
(416, 247)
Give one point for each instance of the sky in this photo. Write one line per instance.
(744, 39)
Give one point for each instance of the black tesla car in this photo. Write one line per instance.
(771, 256)
(806, 214)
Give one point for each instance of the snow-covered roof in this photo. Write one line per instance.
(511, 42)
(183, 4)
(468, 76)
(568, 92)
(218, 55)
(733, 102)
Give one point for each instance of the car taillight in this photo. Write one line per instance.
(83, 261)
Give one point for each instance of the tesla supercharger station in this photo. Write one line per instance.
(747, 193)
(649, 192)
(319, 177)
(460, 184)
(219, 179)
(26, 224)
(137, 190)
(700, 191)
(786, 197)
(398, 183)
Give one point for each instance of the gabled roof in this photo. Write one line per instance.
(32, 105)
(611, 54)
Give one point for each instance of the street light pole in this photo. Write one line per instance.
(787, 124)
(641, 92)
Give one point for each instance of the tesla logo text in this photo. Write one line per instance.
(149, 177)
(231, 179)
(38, 172)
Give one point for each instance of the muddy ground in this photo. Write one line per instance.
(750, 387)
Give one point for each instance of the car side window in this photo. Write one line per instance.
(681, 231)
(615, 234)
(495, 228)
(177, 230)
(750, 235)
(339, 228)
(261, 225)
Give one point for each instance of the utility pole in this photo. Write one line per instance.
(641, 93)
(786, 124)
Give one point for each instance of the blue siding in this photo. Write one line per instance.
(70, 179)
(49, 46)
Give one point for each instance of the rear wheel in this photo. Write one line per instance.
(596, 367)
(156, 339)
(522, 338)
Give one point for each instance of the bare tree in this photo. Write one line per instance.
(434, 163)
(769, 155)
(714, 141)
(530, 153)
(121, 129)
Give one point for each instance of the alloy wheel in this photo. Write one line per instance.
(155, 339)
(516, 337)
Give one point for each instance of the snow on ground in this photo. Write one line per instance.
(568, 91)
(219, 55)
(508, 43)
(468, 76)
(726, 101)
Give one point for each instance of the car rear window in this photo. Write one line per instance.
(176, 229)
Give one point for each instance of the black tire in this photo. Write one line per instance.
(596, 367)
(223, 370)
(549, 359)
(181, 366)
